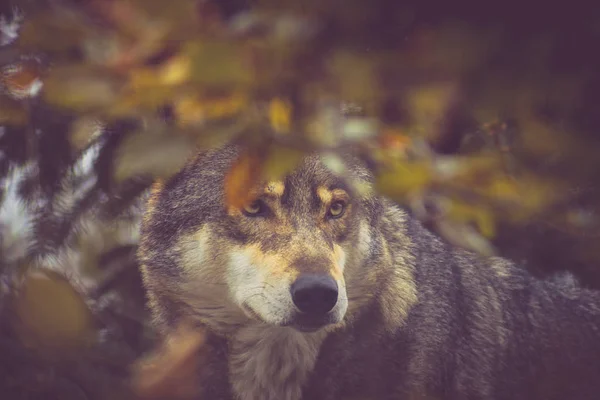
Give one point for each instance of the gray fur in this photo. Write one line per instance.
(424, 320)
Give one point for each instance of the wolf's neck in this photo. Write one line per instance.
(272, 363)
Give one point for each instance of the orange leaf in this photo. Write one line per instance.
(21, 80)
(171, 371)
(394, 140)
(242, 178)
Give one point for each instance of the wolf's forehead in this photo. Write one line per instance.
(311, 175)
(310, 172)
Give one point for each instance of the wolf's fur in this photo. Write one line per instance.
(415, 318)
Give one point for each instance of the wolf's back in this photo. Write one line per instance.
(482, 329)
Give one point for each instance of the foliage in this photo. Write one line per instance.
(480, 119)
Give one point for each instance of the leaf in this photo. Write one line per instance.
(194, 110)
(360, 128)
(21, 80)
(394, 141)
(483, 175)
(55, 32)
(463, 235)
(172, 370)
(242, 179)
(175, 71)
(173, 12)
(81, 88)
(464, 212)
(51, 313)
(280, 113)
(83, 131)
(12, 112)
(402, 178)
(429, 104)
(335, 163)
(280, 161)
(137, 155)
(217, 64)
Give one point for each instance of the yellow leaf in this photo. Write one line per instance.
(281, 161)
(192, 110)
(217, 64)
(280, 115)
(503, 188)
(403, 178)
(176, 71)
(189, 111)
(225, 107)
(140, 78)
(173, 72)
(481, 216)
(51, 313)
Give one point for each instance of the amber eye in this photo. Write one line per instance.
(254, 209)
(336, 209)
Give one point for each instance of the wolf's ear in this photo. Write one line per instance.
(225, 151)
(360, 164)
(367, 163)
(211, 160)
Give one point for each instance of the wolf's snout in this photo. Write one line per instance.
(315, 294)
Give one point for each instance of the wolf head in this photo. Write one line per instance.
(282, 260)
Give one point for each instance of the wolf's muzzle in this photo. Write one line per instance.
(314, 294)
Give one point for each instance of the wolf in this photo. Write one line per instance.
(318, 291)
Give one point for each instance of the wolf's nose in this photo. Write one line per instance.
(314, 293)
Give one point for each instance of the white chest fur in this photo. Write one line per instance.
(272, 363)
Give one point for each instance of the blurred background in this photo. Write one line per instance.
(480, 118)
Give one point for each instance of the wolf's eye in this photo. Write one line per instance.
(254, 209)
(336, 209)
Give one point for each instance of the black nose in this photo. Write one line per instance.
(314, 293)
